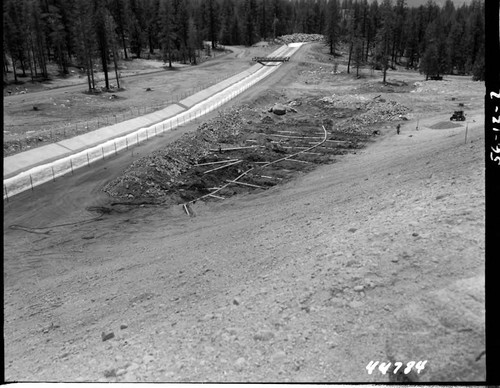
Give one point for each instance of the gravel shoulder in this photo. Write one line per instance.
(376, 257)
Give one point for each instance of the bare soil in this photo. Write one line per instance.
(266, 148)
(375, 256)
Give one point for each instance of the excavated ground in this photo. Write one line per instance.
(378, 257)
(311, 132)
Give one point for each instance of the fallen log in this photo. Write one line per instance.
(218, 162)
(232, 149)
(245, 184)
(221, 167)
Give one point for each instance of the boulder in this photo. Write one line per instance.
(279, 109)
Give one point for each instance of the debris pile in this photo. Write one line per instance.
(345, 101)
(376, 111)
(298, 37)
(154, 175)
(369, 111)
(239, 140)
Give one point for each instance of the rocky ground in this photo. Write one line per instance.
(376, 255)
(244, 139)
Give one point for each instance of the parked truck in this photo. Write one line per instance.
(458, 115)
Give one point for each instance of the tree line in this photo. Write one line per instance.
(383, 34)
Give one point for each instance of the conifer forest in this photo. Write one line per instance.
(435, 39)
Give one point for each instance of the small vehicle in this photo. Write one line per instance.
(458, 115)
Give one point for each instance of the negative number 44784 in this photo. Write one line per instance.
(384, 367)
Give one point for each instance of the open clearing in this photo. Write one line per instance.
(376, 253)
(65, 109)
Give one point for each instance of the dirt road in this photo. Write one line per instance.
(377, 257)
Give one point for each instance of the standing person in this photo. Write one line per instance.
(398, 127)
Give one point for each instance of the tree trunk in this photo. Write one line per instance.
(88, 76)
(31, 67)
(393, 54)
(349, 60)
(124, 45)
(33, 55)
(14, 69)
(48, 52)
(23, 67)
(64, 63)
(43, 63)
(91, 66)
(5, 64)
(367, 47)
(105, 67)
(150, 40)
(116, 69)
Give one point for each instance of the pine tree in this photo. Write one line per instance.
(39, 42)
(14, 34)
(228, 18)
(479, 67)
(85, 41)
(137, 34)
(117, 10)
(263, 20)
(358, 53)
(236, 31)
(182, 29)
(455, 58)
(384, 38)
(332, 25)
(434, 57)
(67, 10)
(249, 11)
(212, 21)
(194, 40)
(57, 35)
(167, 31)
(113, 44)
(101, 32)
(151, 21)
(430, 61)
(411, 43)
(354, 34)
(474, 31)
(399, 37)
(373, 26)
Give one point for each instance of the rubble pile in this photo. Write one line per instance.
(348, 101)
(375, 111)
(153, 176)
(194, 165)
(369, 111)
(298, 37)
